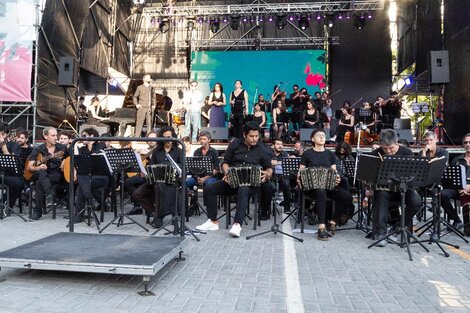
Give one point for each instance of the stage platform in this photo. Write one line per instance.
(96, 253)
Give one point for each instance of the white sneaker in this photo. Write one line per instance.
(235, 230)
(208, 225)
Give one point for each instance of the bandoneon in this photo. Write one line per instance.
(244, 175)
(161, 173)
(318, 178)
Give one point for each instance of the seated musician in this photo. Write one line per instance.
(311, 117)
(276, 161)
(10, 147)
(259, 117)
(451, 194)
(22, 139)
(279, 119)
(205, 151)
(318, 156)
(345, 124)
(87, 184)
(159, 198)
(49, 175)
(366, 117)
(246, 150)
(298, 149)
(384, 196)
(133, 182)
(65, 138)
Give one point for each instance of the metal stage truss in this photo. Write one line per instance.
(318, 42)
(97, 253)
(261, 7)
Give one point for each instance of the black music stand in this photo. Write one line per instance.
(123, 161)
(198, 166)
(275, 227)
(405, 171)
(89, 165)
(453, 178)
(349, 169)
(290, 166)
(9, 165)
(24, 154)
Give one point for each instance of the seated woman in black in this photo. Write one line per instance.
(311, 117)
(345, 124)
(279, 119)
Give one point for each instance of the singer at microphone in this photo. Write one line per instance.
(431, 150)
(166, 152)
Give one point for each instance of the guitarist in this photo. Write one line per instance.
(14, 183)
(48, 174)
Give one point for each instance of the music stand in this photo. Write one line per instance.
(198, 166)
(275, 227)
(9, 165)
(123, 161)
(290, 166)
(89, 165)
(453, 178)
(24, 154)
(405, 171)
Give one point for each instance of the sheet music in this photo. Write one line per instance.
(107, 162)
(141, 165)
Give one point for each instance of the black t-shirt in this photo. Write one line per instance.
(96, 148)
(238, 154)
(401, 151)
(312, 158)
(12, 147)
(159, 156)
(279, 157)
(54, 163)
(212, 153)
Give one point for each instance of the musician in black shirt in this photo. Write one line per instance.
(14, 183)
(88, 184)
(247, 150)
(205, 151)
(276, 160)
(452, 194)
(48, 175)
(163, 194)
(384, 196)
(318, 156)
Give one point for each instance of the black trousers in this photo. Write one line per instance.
(15, 187)
(446, 196)
(237, 121)
(46, 182)
(132, 183)
(158, 198)
(87, 188)
(382, 202)
(286, 194)
(221, 188)
(342, 198)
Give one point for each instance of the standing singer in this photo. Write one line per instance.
(143, 98)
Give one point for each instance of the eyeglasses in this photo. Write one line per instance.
(466, 142)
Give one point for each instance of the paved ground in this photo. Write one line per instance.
(271, 273)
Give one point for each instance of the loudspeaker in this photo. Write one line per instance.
(217, 133)
(401, 123)
(306, 132)
(439, 67)
(68, 72)
(405, 134)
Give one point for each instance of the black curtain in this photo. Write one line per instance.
(406, 15)
(361, 63)
(56, 39)
(428, 32)
(457, 41)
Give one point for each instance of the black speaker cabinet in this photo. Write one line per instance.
(68, 72)
(439, 67)
(217, 133)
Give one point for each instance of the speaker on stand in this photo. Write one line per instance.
(67, 77)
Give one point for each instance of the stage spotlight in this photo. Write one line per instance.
(359, 22)
(281, 21)
(318, 16)
(215, 25)
(330, 20)
(303, 22)
(190, 25)
(369, 15)
(153, 21)
(164, 25)
(408, 81)
(235, 22)
(225, 18)
(270, 18)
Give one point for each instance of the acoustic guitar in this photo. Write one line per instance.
(66, 170)
(40, 160)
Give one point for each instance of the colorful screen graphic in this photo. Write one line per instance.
(260, 71)
(16, 42)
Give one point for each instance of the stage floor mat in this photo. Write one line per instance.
(95, 253)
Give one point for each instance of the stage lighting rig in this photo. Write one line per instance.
(215, 25)
(190, 24)
(164, 25)
(303, 22)
(235, 22)
(330, 20)
(359, 22)
(281, 21)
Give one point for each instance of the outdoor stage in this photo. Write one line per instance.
(96, 253)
